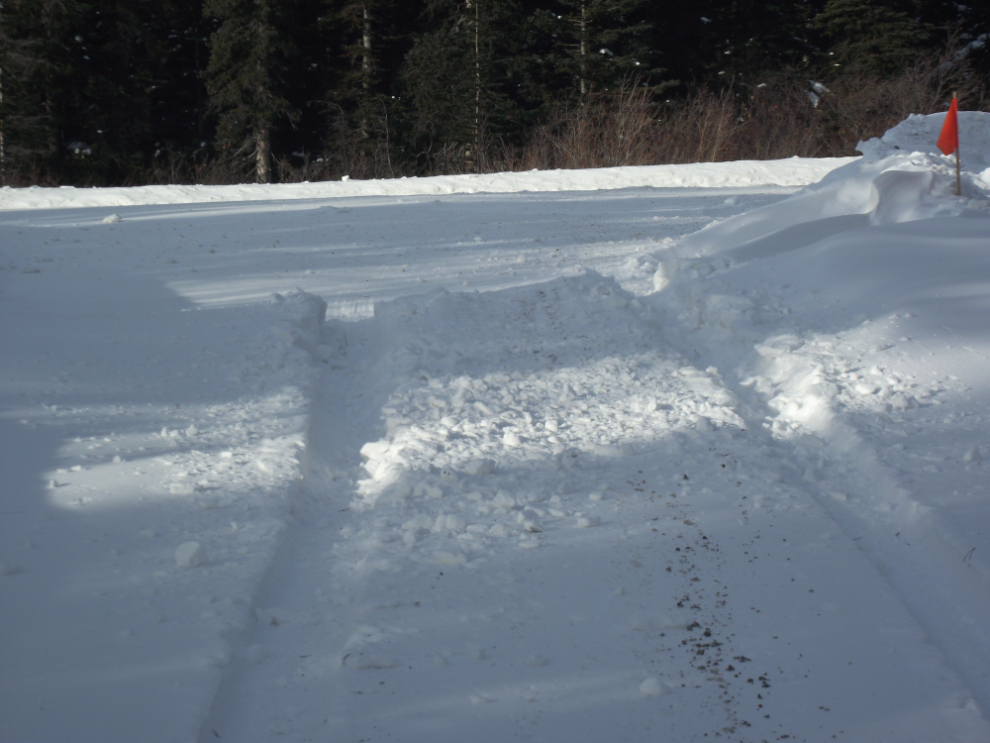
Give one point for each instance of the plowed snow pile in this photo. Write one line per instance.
(549, 468)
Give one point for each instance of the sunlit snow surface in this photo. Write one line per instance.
(433, 465)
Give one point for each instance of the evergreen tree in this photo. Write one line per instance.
(599, 43)
(459, 76)
(748, 37)
(357, 23)
(680, 37)
(85, 81)
(112, 109)
(177, 48)
(363, 44)
(102, 91)
(362, 35)
(964, 26)
(873, 36)
(245, 77)
(39, 66)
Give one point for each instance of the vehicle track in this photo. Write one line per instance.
(564, 530)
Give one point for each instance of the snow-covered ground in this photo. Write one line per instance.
(792, 172)
(507, 457)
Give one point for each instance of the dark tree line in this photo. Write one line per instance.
(130, 91)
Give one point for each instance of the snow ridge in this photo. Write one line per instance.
(790, 172)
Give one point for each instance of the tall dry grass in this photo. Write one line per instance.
(781, 117)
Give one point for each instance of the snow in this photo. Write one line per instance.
(580, 456)
(791, 172)
(190, 555)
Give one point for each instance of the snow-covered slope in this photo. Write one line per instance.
(505, 488)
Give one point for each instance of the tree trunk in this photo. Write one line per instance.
(584, 49)
(263, 155)
(471, 156)
(364, 125)
(3, 149)
(366, 44)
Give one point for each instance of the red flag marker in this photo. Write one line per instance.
(948, 140)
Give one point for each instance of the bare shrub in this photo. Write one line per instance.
(781, 117)
(603, 130)
(702, 129)
(860, 107)
(220, 172)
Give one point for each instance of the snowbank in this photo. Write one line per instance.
(790, 172)
(918, 133)
(901, 177)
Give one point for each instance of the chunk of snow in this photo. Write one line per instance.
(651, 687)
(420, 521)
(528, 519)
(511, 439)
(503, 502)
(478, 467)
(449, 522)
(425, 490)
(190, 555)
(375, 449)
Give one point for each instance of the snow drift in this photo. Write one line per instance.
(902, 177)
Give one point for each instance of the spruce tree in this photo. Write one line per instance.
(748, 37)
(177, 48)
(459, 76)
(600, 43)
(245, 78)
(113, 111)
(358, 34)
(41, 64)
(873, 36)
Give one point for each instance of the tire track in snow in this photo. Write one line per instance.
(874, 510)
(559, 530)
(792, 396)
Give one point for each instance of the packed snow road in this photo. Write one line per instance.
(447, 467)
(155, 394)
(562, 530)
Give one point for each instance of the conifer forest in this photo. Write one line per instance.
(129, 92)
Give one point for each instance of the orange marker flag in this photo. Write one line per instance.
(948, 140)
